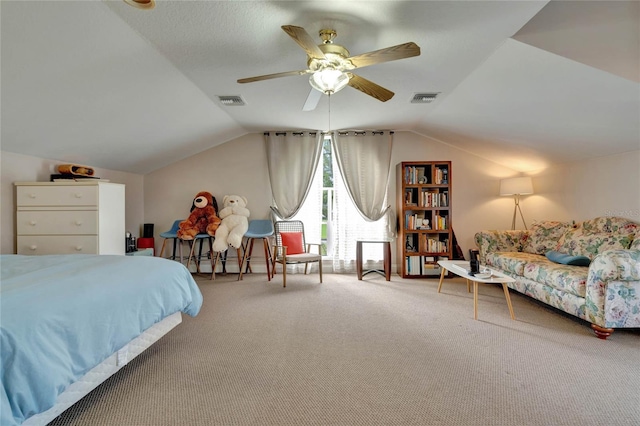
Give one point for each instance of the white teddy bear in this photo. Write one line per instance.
(235, 222)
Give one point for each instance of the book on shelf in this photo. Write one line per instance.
(440, 223)
(435, 198)
(413, 265)
(441, 176)
(414, 221)
(436, 246)
(417, 265)
(414, 175)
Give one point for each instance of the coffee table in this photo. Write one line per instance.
(461, 268)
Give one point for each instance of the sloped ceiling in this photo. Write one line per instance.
(525, 84)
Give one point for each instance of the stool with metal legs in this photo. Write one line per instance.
(258, 229)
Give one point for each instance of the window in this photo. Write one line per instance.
(339, 225)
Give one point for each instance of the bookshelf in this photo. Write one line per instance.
(424, 217)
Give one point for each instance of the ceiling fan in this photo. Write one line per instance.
(330, 65)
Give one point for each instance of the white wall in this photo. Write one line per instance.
(606, 186)
(475, 183)
(24, 168)
(578, 191)
(238, 167)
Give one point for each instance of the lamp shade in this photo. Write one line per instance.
(329, 80)
(516, 186)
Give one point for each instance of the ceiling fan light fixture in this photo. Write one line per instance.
(329, 80)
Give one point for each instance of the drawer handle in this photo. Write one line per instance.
(78, 195)
(78, 223)
(33, 247)
(78, 248)
(32, 223)
(32, 195)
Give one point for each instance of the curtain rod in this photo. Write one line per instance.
(343, 132)
(294, 133)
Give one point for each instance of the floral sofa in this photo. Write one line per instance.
(606, 293)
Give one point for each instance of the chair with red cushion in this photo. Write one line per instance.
(291, 248)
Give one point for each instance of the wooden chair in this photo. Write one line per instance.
(291, 248)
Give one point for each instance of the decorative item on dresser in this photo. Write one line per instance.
(70, 217)
(424, 217)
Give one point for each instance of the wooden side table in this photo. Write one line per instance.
(387, 259)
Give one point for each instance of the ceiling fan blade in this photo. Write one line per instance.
(302, 37)
(401, 51)
(312, 100)
(270, 76)
(370, 88)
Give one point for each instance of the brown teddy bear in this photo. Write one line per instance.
(203, 218)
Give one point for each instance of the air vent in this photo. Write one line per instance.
(424, 98)
(231, 100)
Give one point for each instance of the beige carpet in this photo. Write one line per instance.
(349, 352)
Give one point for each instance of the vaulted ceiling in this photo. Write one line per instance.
(523, 83)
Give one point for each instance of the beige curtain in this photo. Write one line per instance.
(292, 158)
(364, 159)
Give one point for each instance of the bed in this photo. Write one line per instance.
(68, 322)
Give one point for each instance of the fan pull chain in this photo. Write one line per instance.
(329, 129)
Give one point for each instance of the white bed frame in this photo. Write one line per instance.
(104, 370)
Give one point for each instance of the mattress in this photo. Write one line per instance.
(63, 315)
(97, 375)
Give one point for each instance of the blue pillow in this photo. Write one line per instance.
(567, 259)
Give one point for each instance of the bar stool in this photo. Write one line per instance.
(197, 258)
(258, 229)
(222, 256)
(171, 234)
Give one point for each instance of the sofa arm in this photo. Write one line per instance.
(615, 265)
(613, 274)
(498, 240)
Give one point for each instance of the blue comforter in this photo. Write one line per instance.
(62, 315)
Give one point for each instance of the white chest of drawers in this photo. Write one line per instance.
(70, 217)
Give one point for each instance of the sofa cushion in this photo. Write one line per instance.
(611, 224)
(544, 236)
(513, 262)
(595, 236)
(570, 279)
(567, 259)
